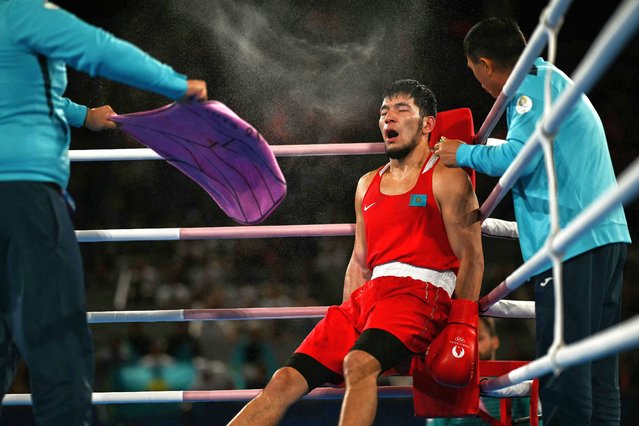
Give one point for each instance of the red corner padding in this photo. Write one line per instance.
(434, 400)
(455, 124)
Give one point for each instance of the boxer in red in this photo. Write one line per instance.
(417, 243)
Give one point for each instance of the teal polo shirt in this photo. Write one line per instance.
(582, 162)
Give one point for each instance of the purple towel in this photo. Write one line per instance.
(224, 154)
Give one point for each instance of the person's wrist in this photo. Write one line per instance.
(86, 118)
(461, 154)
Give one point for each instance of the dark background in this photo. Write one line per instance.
(301, 73)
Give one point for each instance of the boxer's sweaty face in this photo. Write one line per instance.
(400, 124)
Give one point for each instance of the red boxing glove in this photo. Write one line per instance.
(451, 356)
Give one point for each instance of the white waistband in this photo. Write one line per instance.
(443, 279)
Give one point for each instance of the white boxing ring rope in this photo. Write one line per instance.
(502, 309)
(621, 337)
(490, 227)
(616, 339)
(609, 43)
(617, 32)
(304, 150)
(177, 315)
(627, 189)
(241, 395)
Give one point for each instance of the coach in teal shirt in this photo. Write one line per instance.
(42, 302)
(582, 161)
(580, 153)
(37, 41)
(593, 266)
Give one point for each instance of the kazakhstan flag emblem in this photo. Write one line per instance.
(418, 200)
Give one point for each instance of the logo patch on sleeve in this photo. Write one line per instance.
(524, 104)
(418, 200)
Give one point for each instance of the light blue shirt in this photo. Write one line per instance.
(582, 161)
(37, 40)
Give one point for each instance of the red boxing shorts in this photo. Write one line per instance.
(413, 311)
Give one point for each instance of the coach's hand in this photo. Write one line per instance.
(446, 150)
(98, 118)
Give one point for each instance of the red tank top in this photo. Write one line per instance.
(408, 227)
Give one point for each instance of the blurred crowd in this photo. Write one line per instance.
(241, 354)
